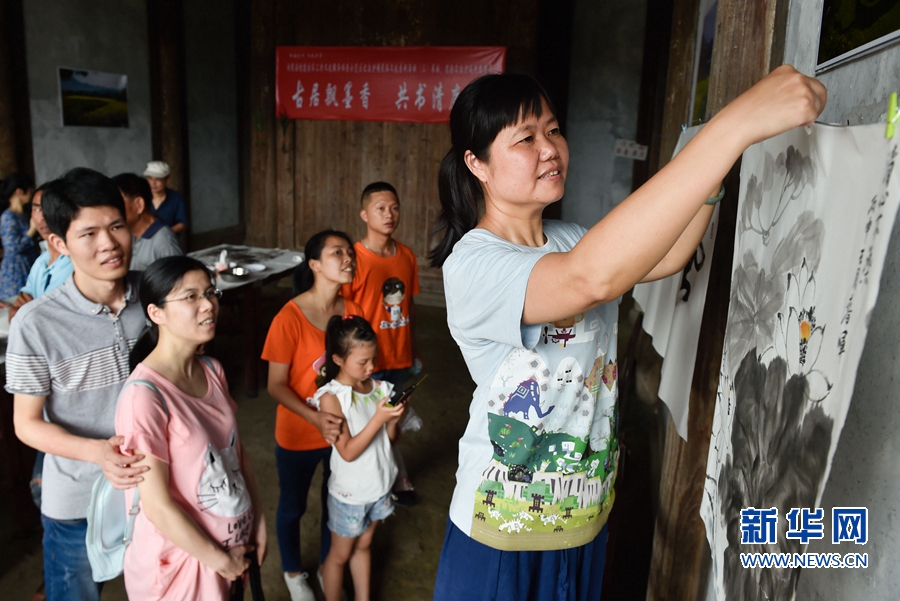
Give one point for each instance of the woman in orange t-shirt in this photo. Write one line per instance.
(295, 350)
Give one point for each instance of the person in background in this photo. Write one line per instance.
(387, 278)
(153, 239)
(167, 204)
(66, 361)
(362, 466)
(295, 350)
(16, 231)
(49, 270)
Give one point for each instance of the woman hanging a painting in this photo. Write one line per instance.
(533, 306)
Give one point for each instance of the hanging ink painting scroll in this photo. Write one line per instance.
(673, 313)
(817, 206)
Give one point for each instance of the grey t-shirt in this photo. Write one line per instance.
(74, 352)
(145, 251)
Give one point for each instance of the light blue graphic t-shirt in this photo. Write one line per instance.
(537, 461)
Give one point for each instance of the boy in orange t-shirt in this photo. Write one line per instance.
(387, 278)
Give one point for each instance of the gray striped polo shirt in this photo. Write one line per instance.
(74, 352)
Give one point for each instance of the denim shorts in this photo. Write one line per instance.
(350, 521)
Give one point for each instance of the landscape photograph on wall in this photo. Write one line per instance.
(93, 98)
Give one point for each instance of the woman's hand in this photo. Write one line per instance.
(32, 229)
(234, 562)
(782, 100)
(262, 538)
(329, 425)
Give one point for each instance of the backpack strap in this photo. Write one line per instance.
(132, 513)
(151, 386)
(209, 363)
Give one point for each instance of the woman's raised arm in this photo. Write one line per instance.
(626, 245)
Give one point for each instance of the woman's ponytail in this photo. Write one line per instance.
(303, 278)
(460, 195)
(144, 346)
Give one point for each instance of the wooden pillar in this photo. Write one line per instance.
(654, 74)
(9, 162)
(746, 46)
(668, 578)
(260, 206)
(242, 45)
(165, 20)
(15, 109)
(286, 131)
(683, 46)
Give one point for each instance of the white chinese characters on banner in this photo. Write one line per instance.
(816, 211)
(411, 84)
(673, 311)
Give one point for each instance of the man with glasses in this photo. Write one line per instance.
(50, 269)
(66, 361)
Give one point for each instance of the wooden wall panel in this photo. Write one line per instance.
(748, 39)
(260, 206)
(307, 175)
(9, 161)
(668, 578)
(357, 153)
(167, 84)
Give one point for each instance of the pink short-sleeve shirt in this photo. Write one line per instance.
(198, 439)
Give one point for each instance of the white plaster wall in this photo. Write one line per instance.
(866, 468)
(605, 80)
(103, 35)
(212, 114)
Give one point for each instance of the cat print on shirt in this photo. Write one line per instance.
(222, 490)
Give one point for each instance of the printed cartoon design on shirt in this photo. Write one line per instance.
(222, 490)
(552, 424)
(393, 291)
(560, 332)
(319, 368)
(524, 399)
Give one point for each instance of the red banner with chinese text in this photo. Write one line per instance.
(380, 83)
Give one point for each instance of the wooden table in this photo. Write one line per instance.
(278, 263)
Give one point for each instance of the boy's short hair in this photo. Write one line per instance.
(79, 188)
(133, 185)
(374, 187)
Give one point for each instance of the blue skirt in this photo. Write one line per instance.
(475, 572)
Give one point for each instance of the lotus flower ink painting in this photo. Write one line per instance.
(816, 210)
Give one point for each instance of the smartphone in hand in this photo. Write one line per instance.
(398, 397)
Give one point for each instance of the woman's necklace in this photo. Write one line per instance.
(393, 248)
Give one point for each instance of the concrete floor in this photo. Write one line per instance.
(406, 546)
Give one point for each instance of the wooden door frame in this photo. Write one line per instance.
(750, 39)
